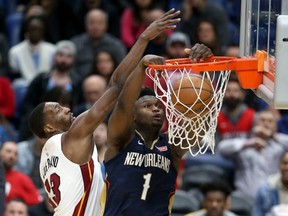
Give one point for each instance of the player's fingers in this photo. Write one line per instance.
(169, 22)
(195, 52)
(200, 51)
(187, 50)
(206, 53)
(170, 15)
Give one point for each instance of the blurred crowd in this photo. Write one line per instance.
(66, 51)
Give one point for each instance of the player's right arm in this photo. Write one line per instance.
(82, 128)
(121, 123)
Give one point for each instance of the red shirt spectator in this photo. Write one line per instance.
(130, 29)
(7, 98)
(20, 186)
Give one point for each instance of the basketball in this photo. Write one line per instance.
(194, 94)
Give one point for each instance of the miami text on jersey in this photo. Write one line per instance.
(51, 162)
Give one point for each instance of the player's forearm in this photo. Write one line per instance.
(130, 62)
(132, 88)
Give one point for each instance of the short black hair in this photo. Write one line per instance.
(28, 21)
(220, 186)
(36, 121)
(146, 91)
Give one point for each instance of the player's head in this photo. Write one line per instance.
(49, 118)
(148, 110)
(215, 197)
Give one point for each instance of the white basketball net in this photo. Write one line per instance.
(194, 133)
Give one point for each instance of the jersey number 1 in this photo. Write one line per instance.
(146, 185)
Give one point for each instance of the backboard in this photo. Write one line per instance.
(264, 26)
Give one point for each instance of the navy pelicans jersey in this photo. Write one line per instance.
(72, 189)
(139, 180)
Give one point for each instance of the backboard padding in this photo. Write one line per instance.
(264, 26)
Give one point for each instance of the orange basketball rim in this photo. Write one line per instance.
(249, 70)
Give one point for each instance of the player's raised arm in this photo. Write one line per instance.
(121, 127)
(85, 123)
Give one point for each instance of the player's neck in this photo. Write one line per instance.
(148, 136)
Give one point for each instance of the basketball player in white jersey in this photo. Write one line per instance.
(69, 166)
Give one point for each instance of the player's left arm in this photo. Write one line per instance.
(121, 123)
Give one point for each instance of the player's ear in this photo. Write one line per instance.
(49, 129)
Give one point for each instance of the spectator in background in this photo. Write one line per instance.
(175, 45)
(31, 10)
(59, 76)
(104, 64)
(4, 67)
(109, 7)
(216, 200)
(7, 98)
(33, 55)
(274, 191)
(93, 88)
(7, 131)
(59, 20)
(134, 20)
(256, 157)
(2, 187)
(206, 33)
(18, 185)
(94, 39)
(235, 119)
(193, 11)
(16, 207)
(29, 152)
(42, 209)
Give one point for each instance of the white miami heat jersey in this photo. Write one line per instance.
(73, 189)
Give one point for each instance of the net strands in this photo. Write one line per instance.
(195, 133)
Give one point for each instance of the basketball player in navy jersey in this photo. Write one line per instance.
(141, 167)
(69, 166)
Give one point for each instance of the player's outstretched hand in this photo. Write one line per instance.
(153, 59)
(199, 52)
(166, 21)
